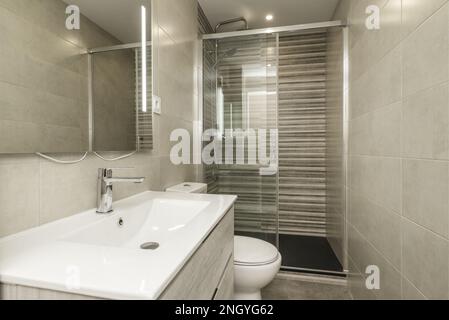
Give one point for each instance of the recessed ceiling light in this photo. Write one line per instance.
(269, 17)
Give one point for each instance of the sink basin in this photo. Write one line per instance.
(105, 250)
(156, 221)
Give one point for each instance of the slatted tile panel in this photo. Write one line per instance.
(144, 119)
(302, 136)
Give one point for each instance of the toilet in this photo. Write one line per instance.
(188, 187)
(256, 262)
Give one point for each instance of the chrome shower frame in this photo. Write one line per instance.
(298, 27)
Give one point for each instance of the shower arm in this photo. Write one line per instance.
(219, 25)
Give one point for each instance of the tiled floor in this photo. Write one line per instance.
(282, 289)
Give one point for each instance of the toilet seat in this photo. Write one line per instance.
(253, 252)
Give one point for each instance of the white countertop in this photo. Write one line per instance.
(107, 263)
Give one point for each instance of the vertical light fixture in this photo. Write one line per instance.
(144, 58)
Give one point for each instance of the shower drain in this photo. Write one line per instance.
(149, 246)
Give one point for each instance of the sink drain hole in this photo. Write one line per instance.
(149, 246)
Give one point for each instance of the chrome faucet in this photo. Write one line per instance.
(104, 188)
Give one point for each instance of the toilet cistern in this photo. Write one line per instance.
(104, 188)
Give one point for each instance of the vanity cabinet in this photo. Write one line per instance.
(209, 273)
(16, 292)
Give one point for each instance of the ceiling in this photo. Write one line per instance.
(118, 17)
(285, 12)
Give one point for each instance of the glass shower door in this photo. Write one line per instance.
(243, 109)
(291, 82)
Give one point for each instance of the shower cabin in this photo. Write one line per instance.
(291, 81)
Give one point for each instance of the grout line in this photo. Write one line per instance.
(403, 39)
(413, 285)
(404, 97)
(401, 227)
(361, 275)
(441, 237)
(419, 26)
(374, 66)
(406, 158)
(376, 250)
(422, 90)
(377, 203)
(374, 293)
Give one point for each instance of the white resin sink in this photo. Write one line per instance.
(158, 220)
(107, 254)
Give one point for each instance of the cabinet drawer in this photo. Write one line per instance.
(225, 290)
(201, 275)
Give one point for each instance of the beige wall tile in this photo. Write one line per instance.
(364, 255)
(410, 292)
(377, 133)
(416, 12)
(175, 102)
(425, 261)
(172, 175)
(412, 80)
(65, 190)
(378, 179)
(425, 124)
(426, 190)
(375, 44)
(19, 197)
(379, 86)
(175, 18)
(425, 51)
(379, 225)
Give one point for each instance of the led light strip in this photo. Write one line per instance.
(144, 58)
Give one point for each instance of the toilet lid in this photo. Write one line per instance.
(252, 251)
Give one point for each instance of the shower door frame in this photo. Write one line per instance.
(345, 108)
(297, 27)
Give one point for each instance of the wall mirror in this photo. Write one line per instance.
(76, 76)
